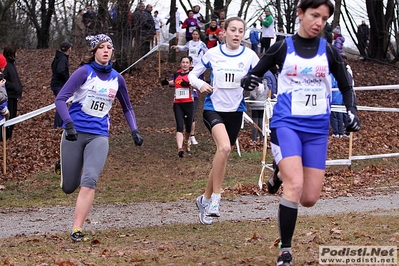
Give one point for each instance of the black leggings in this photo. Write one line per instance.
(184, 115)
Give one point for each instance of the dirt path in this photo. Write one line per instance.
(51, 220)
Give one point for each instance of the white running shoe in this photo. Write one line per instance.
(213, 209)
(204, 219)
(193, 140)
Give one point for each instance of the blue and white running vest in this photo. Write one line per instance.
(304, 92)
(92, 103)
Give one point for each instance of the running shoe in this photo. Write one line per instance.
(213, 209)
(78, 236)
(285, 259)
(193, 140)
(274, 182)
(57, 167)
(188, 147)
(180, 153)
(204, 219)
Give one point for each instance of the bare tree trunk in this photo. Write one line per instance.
(218, 5)
(280, 22)
(43, 30)
(122, 35)
(103, 16)
(291, 14)
(337, 14)
(208, 10)
(172, 30)
(380, 25)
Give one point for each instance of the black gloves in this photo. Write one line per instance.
(70, 132)
(249, 83)
(185, 84)
(164, 82)
(353, 120)
(138, 140)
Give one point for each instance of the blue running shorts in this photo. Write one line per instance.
(312, 148)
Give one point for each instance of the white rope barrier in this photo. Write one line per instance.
(380, 87)
(155, 48)
(29, 115)
(339, 162)
(342, 109)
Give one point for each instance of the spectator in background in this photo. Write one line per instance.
(143, 29)
(271, 79)
(254, 38)
(259, 97)
(190, 24)
(89, 19)
(5, 114)
(336, 118)
(138, 19)
(148, 31)
(113, 11)
(327, 33)
(257, 108)
(212, 34)
(60, 70)
(267, 30)
(158, 26)
(221, 17)
(13, 84)
(280, 37)
(79, 29)
(338, 40)
(178, 23)
(3, 94)
(363, 36)
(351, 81)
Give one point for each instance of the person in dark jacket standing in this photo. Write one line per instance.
(13, 84)
(60, 68)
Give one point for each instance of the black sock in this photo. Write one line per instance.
(287, 214)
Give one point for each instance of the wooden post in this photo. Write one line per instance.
(350, 148)
(4, 151)
(159, 58)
